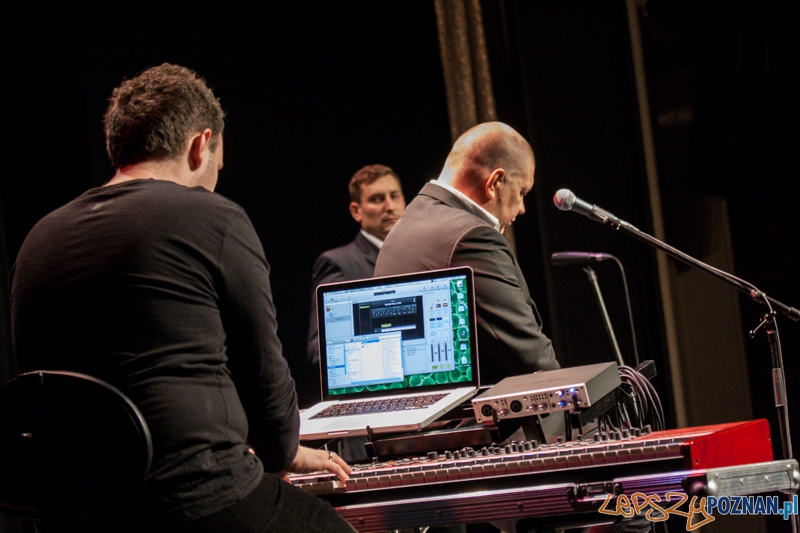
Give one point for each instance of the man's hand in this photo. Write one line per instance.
(308, 460)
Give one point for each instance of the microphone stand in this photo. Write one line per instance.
(593, 280)
(768, 320)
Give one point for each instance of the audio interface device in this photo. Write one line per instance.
(546, 392)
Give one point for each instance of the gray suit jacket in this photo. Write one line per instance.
(353, 261)
(439, 230)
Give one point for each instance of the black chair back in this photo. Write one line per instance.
(68, 443)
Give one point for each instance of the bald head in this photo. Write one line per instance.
(488, 146)
(493, 165)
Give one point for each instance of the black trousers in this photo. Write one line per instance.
(273, 507)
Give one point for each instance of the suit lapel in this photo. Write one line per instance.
(369, 250)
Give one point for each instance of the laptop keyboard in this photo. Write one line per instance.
(385, 405)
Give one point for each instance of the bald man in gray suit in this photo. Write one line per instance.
(458, 220)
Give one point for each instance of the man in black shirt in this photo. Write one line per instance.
(160, 287)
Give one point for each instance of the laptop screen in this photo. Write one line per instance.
(388, 335)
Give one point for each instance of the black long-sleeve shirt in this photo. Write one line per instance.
(163, 291)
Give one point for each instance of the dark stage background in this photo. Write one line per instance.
(315, 90)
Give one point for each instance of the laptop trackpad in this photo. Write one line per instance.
(350, 423)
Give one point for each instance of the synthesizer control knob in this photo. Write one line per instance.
(535, 444)
(597, 437)
(448, 455)
(560, 440)
(647, 430)
(637, 432)
(626, 434)
(433, 455)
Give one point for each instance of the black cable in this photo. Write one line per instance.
(643, 402)
(630, 310)
(579, 258)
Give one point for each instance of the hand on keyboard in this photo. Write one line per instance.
(308, 460)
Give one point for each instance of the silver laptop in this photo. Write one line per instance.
(396, 353)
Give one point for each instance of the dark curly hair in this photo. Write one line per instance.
(151, 116)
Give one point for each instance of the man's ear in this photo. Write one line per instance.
(497, 177)
(199, 149)
(355, 211)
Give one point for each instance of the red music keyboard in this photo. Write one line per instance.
(524, 479)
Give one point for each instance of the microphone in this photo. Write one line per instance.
(584, 258)
(577, 258)
(566, 200)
